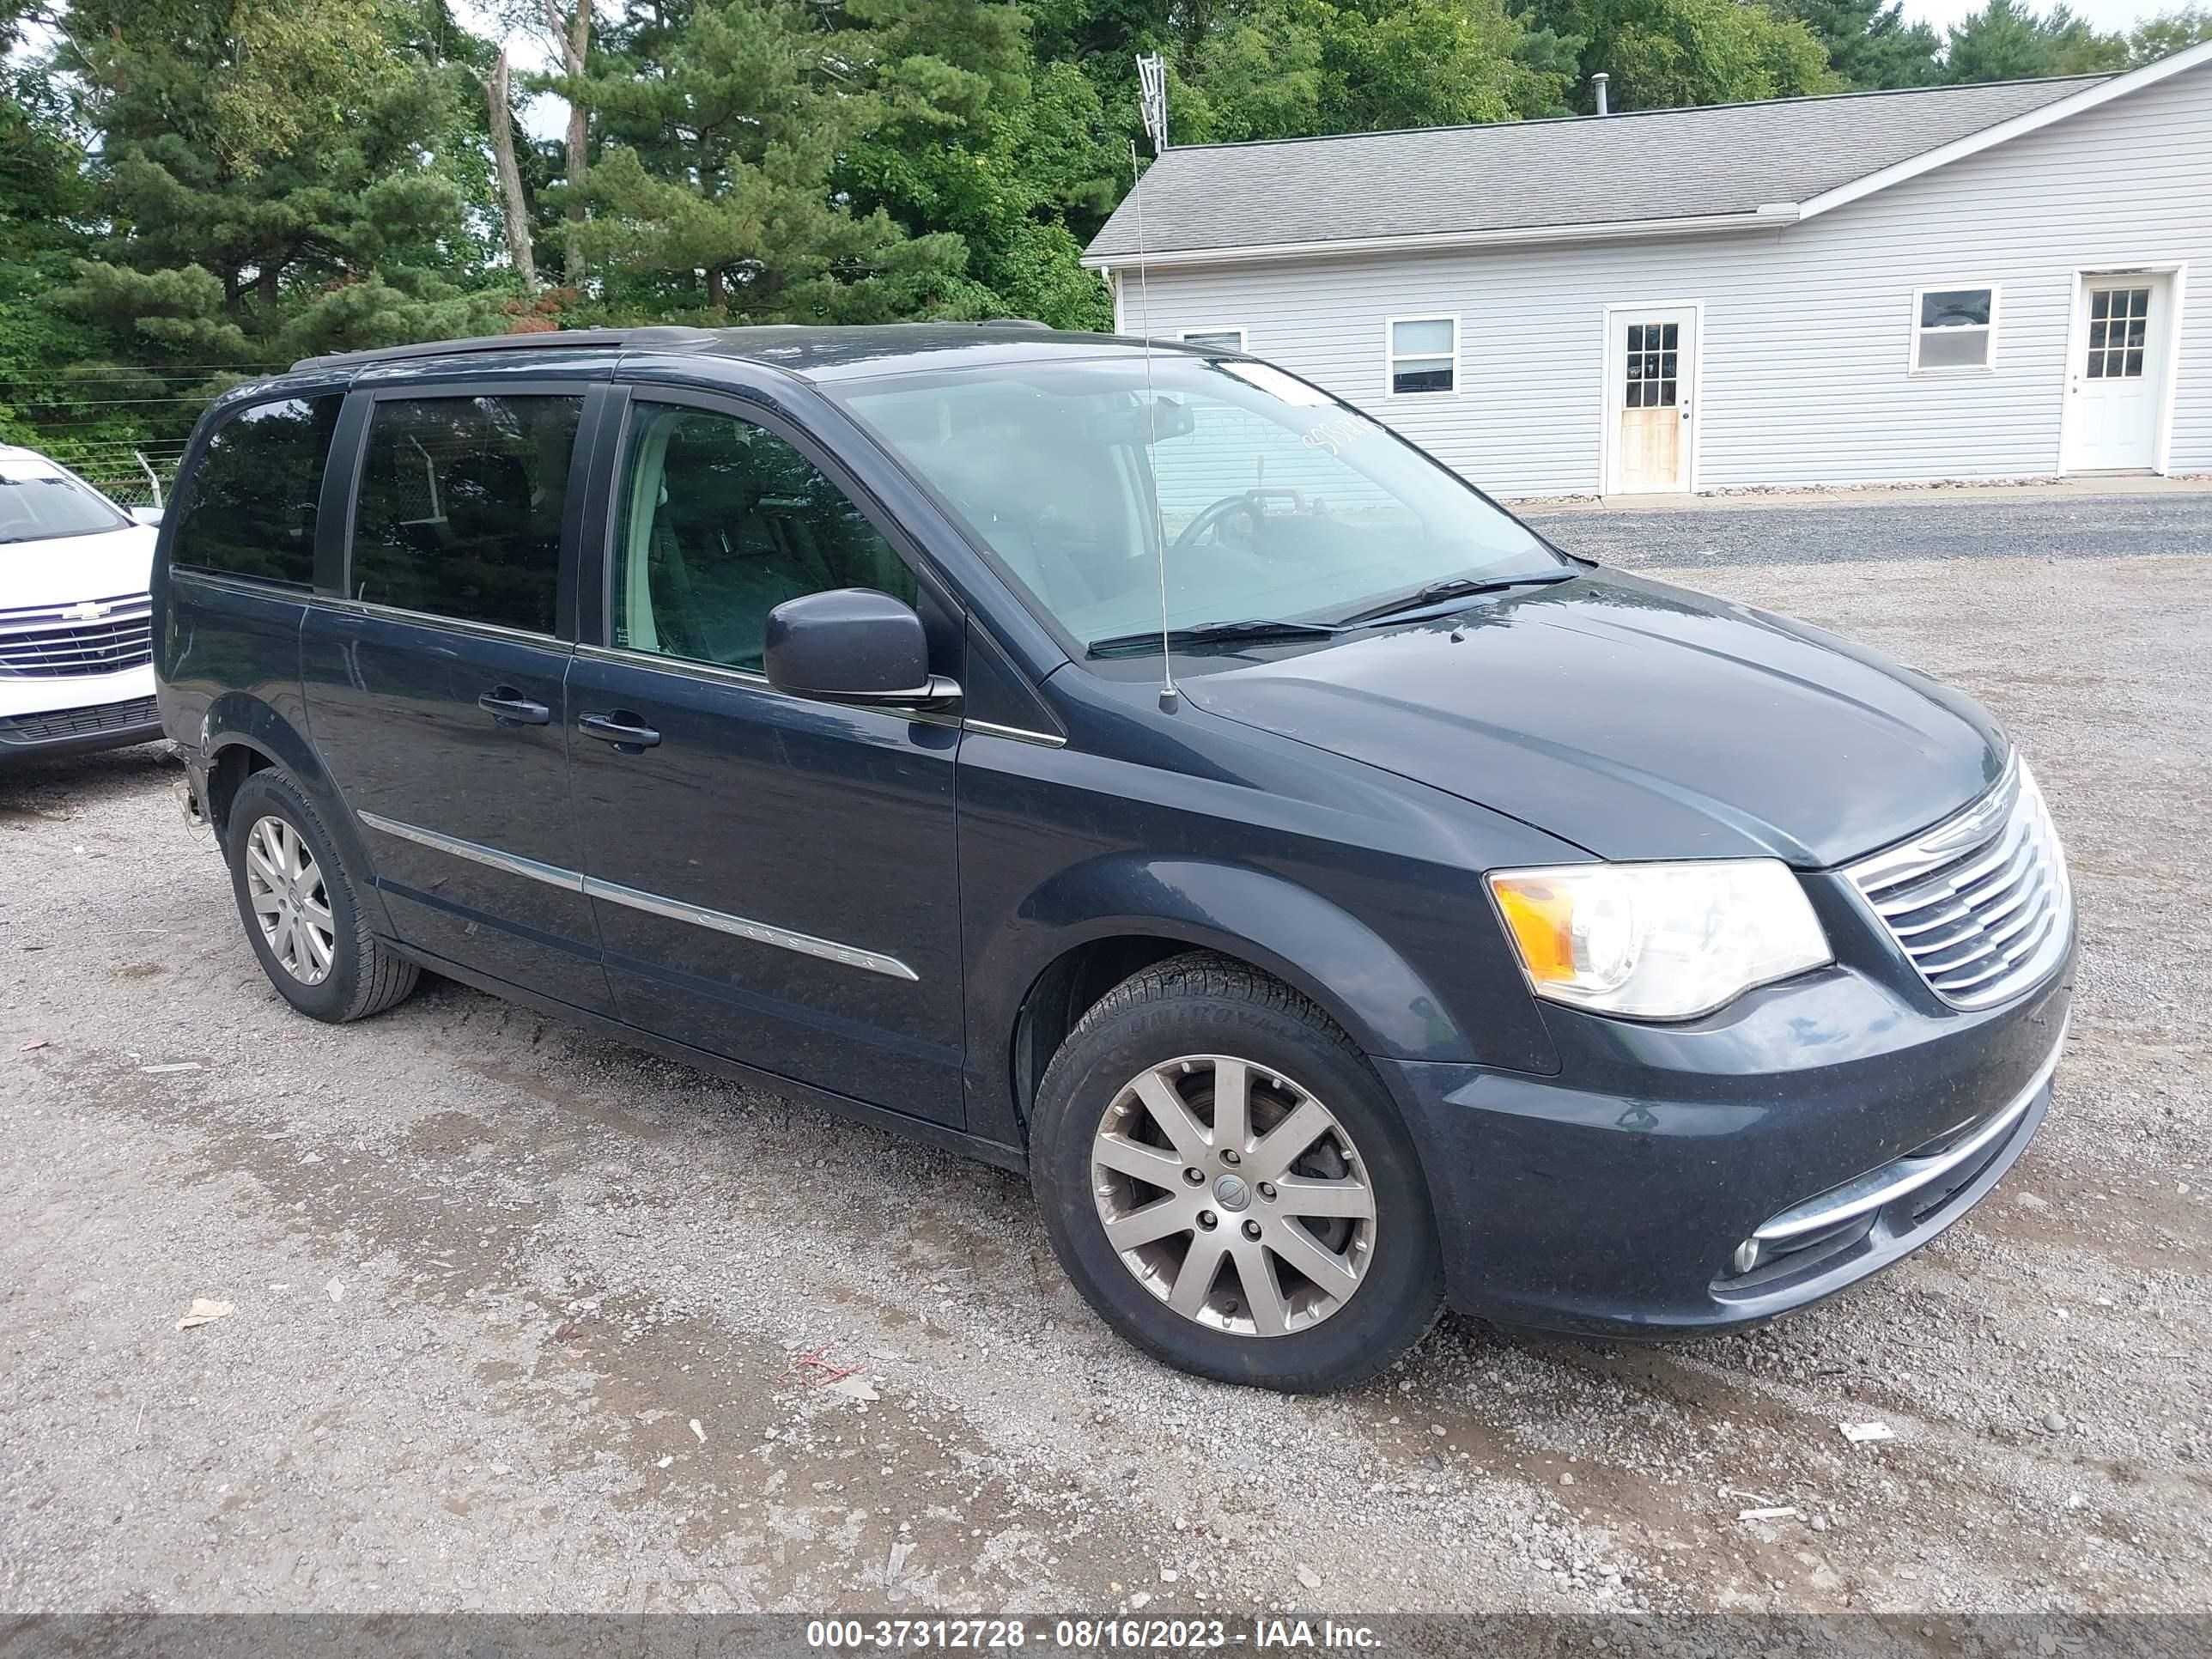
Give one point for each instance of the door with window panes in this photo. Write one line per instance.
(774, 877)
(1650, 359)
(2116, 383)
(436, 682)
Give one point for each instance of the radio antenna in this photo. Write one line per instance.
(1151, 97)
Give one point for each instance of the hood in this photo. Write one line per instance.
(109, 564)
(1637, 721)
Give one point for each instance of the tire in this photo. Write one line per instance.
(343, 972)
(1257, 1319)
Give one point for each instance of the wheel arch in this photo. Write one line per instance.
(243, 734)
(1097, 924)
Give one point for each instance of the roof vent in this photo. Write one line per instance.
(1598, 84)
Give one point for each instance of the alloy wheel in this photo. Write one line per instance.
(285, 884)
(1234, 1195)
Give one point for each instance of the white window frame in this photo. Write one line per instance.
(1989, 363)
(1238, 329)
(1392, 358)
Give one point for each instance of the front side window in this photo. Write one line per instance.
(39, 503)
(461, 509)
(1274, 500)
(1423, 355)
(250, 507)
(1954, 328)
(721, 522)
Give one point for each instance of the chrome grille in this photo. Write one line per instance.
(1981, 903)
(96, 636)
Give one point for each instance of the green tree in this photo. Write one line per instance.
(1869, 44)
(961, 132)
(1289, 67)
(2161, 36)
(2006, 41)
(43, 197)
(1666, 54)
(712, 194)
(271, 171)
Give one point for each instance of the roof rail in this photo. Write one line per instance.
(577, 339)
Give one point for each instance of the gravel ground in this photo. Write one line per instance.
(526, 1321)
(1908, 525)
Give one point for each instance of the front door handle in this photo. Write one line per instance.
(627, 731)
(510, 708)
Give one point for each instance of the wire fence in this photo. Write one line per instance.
(134, 475)
(60, 411)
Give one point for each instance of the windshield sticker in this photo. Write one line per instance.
(1337, 435)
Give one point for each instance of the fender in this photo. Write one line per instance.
(1386, 1006)
(239, 717)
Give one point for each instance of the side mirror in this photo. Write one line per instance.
(853, 645)
(145, 515)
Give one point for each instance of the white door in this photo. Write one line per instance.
(1651, 357)
(2116, 379)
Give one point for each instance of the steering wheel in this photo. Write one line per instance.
(1217, 515)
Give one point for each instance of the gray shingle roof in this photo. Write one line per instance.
(1655, 164)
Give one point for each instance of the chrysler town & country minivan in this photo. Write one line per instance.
(1130, 765)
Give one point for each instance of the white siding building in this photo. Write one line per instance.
(1964, 282)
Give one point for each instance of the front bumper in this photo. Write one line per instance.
(1675, 1180)
(79, 731)
(77, 714)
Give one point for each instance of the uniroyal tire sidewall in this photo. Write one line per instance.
(1402, 1288)
(265, 796)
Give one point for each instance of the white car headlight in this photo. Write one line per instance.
(1658, 941)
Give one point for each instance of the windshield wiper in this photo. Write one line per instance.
(1212, 633)
(1452, 587)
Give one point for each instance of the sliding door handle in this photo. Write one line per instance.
(510, 708)
(627, 731)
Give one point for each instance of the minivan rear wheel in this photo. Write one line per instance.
(1226, 1181)
(296, 899)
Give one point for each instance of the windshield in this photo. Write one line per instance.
(1275, 501)
(37, 503)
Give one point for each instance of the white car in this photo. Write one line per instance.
(77, 661)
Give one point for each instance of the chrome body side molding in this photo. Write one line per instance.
(760, 933)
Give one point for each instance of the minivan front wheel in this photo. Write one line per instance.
(1226, 1183)
(296, 899)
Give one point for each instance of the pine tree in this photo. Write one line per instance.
(2009, 41)
(1871, 45)
(269, 167)
(713, 196)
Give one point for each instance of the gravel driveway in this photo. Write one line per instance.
(527, 1321)
(1890, 525)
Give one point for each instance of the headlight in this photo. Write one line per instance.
(1658, 941)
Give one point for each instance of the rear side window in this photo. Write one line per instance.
(460, 508)
(250, 507)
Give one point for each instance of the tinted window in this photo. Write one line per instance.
(461, 501)
(38, 503)
(250, 507)
(721, 523)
